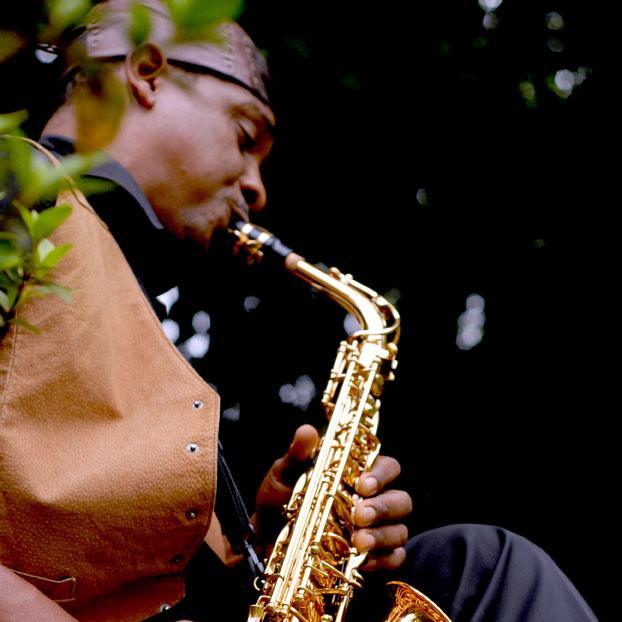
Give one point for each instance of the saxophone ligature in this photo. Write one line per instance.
(312, 572)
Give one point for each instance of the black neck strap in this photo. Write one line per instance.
(233, 515)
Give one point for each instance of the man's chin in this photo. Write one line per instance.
(219, 243)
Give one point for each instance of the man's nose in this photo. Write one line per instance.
(253, 189)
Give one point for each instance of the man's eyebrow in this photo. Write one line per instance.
(257, 114)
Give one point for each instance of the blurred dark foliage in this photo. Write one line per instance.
(373, 106)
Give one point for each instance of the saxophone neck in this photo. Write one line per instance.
(379, 319)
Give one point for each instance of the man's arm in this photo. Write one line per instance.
(21, 601)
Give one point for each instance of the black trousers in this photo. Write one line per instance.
(475, 573)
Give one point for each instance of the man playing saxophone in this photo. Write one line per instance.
(122, 536)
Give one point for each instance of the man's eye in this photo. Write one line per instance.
(247, 141)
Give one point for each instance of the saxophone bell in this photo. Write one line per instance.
(410, 605)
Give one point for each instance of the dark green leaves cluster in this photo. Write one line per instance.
(25, 264)
(27, 255)
(26, 261)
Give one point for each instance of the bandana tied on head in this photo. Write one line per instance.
(232, 55)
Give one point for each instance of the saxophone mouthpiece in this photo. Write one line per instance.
(258, 243)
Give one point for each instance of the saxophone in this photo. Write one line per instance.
(312, 571)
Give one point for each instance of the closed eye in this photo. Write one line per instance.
(247, 141)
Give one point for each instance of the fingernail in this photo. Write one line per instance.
(366, 541)
(369, 486)
(368, 514)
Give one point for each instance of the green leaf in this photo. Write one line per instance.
(99, 106)
(91, 185)
(4, 302)
(140, 27)
(20, 162)
(194, 19)
(44, 248)
(54, 288)
(12, 120)
(27, 216)
(528, 92)
(11, 293)
(54, 255)
(10, 44)
(27, 325)
(79, 163)
(65, 13)
(45, 177)
(48, 221)
(10, 259)
(17, 230)
(25, 213)
(11, 276)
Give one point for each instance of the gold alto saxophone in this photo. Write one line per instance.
(313, 569)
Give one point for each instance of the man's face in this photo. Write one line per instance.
(212, 137)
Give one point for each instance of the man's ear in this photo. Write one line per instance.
(143, 68)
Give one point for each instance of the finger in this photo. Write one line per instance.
(384, 470)
(387, 561)
(384, 538)
(390, 506)
(293, 463)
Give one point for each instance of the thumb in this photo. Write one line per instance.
(276, 487)
(294, 462)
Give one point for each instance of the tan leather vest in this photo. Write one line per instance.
(108, 439)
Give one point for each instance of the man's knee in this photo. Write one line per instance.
(439, 560)
(464, 543)
(468, 568)
(479, 551)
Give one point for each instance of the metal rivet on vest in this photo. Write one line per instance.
(176, 559)
(191, 514)
(165, 607)
(192, 448)
(198, 404)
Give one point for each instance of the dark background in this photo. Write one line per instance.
(374, 103)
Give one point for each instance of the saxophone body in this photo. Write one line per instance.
(312, 572)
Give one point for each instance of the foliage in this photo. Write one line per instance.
(27, 255)
(195, 19)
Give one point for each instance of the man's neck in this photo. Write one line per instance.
(121, 148)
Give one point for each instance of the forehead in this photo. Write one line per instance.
(235, 98)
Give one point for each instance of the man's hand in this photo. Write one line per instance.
(276, 487)
(377, 516)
